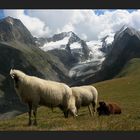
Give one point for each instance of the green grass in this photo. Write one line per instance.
(125, 91)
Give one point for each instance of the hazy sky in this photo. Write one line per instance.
(88, 24)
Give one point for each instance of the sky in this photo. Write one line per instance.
(88, 24)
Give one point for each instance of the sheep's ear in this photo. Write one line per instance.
(11, 71)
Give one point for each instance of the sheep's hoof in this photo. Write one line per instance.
(75, 116)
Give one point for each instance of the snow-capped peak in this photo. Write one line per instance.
(108, 39)
(87, 54)
(62, 41)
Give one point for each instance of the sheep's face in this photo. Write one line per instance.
(102, 109)
(14, 77)
(12, 74)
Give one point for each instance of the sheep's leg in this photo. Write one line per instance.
(93, 104)
(35, 113)
(77, 111)
(66, 113)
(64, 110)
(30, 113)
(90, 111)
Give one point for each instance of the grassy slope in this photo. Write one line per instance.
(125, 91)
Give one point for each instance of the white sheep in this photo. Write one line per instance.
(35, 91)
(84, 96)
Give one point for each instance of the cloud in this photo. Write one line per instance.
(88, 24)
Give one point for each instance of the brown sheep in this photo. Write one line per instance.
(108, 108)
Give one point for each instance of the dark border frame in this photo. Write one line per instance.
(68, 135)
(70, 4)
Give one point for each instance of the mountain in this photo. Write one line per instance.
(98, 51)
(126, 46)
(67, 46)
(80, 57)
(18, 50)
(13, 29)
